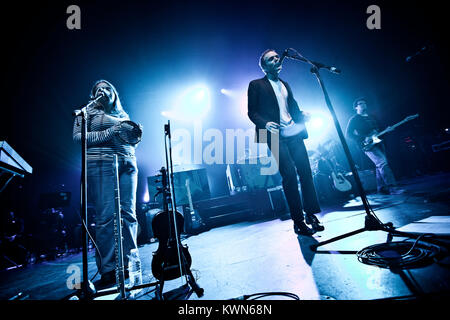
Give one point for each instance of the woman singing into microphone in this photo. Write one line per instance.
(103, 121)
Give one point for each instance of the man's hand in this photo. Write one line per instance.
(272, 127)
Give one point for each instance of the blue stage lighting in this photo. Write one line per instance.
(319, 128)
(316, 122)
(192, 104)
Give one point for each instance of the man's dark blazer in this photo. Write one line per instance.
(263, 106)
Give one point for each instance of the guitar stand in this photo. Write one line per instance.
(180, 293)
(183, 292)
(372, 223)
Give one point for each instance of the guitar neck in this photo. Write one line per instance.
(191, 206)
(396, 125)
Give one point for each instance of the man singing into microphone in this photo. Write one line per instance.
(272, 108)
(104, 116)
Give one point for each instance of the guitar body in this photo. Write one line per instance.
(370, 142)
(165, 262)
(340, 183)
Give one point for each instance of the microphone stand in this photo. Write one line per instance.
(372, 223)
(87, 290)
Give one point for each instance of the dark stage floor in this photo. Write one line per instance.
(267, 256)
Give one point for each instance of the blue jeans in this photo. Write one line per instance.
(101, 195)
(385, 177)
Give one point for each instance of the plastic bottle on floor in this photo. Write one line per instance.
(134, 268)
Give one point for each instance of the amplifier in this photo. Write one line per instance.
(198, 182)
(242, 206)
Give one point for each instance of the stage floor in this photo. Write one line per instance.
(267, 256)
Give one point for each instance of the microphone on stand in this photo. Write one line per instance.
(96, 99)
(331, 69)
(284, 55)
(100, 92)
(297, 56)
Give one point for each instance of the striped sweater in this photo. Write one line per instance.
(102, 141)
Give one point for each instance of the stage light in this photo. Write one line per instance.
(200, 94)
(319, 127)
(192, 104)
(317, 122)
(146, 196)
(225, 92)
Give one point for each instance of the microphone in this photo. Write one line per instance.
(100, 93)
(82, 110)
(329, 68)
(284, 55)
(333, 70)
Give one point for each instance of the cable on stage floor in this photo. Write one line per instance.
(408, 253)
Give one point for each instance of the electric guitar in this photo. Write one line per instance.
(370, 141)
(195, 218)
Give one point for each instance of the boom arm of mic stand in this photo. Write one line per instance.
(315, 64)
(82, 111)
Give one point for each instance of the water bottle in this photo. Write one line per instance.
(134, 268)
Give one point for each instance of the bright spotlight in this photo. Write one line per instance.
(226, 92)
(200, 94)
(316, 122)
(146, 197)
(319, 127)
(192, 104)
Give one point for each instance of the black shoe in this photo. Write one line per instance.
(314, 222)
(301, 228)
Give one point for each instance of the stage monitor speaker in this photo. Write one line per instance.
(198, 183)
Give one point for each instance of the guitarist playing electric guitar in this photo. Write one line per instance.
(362, 128)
